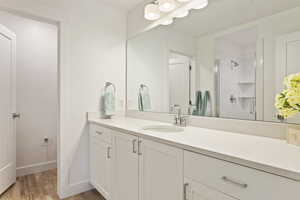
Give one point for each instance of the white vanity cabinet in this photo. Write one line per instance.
(101, 160)
(126, 167)
(161, 171)
(218, 177)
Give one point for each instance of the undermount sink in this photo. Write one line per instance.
(163, 128)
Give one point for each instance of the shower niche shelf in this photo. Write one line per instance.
(246, 83)
(246, 97)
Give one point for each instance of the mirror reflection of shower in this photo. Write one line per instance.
(236, 74)
(234, 64)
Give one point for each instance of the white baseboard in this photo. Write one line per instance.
(75, 189)
(36, 168)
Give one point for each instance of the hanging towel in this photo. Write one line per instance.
(206, 106)
(198, 101)
(144, 99)
(109, 101)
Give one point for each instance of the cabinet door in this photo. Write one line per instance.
(101, 166)
(125, 167)
(197, 191)
(161, 171)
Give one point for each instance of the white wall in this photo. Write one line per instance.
(148, 57)
(36, 92)
(147, 64)
(92, 46)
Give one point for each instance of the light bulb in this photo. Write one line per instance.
(166, 5)
(167, 22)
(152, 12)
(199, 4)
(182, 14)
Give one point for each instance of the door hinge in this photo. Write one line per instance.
(139, 147)
(108, 152)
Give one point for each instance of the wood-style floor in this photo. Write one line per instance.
(42, 186)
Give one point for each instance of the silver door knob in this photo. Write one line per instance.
(16, 115)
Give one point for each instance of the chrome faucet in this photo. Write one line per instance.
(180, 120)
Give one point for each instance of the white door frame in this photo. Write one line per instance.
(60, 52)
(9, 171)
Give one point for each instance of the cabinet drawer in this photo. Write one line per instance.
(240, 182)
(101, 133)
(198, 191)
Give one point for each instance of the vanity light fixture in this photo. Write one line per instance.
(164, 11)
(152, 12)
(182, 14)
(166, 5)
(200, 4)
(167, 22)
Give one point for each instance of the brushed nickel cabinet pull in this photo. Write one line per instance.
(134, 146)
(139, 147)
(226, 179)
(108, 152)
(185, 191)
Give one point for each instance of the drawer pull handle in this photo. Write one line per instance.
(139, 147)
(226, 179)
(134, 146)
(108, 152)
(185, 191)
(99, 133)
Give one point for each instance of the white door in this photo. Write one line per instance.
(288, 61)
(179, 82)
(101, 167)
(126, 171)
(198, 191)
(7, 107)
(161, 171)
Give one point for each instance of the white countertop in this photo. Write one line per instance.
(270, 155)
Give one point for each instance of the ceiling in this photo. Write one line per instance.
(124, 4)
(222, 14)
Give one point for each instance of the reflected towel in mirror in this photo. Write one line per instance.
(144, 99)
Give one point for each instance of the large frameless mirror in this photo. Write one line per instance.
(228, 60)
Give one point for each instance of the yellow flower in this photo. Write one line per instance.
(293, 98)
(288, 112)
(288, 101)
(293, 81)
(281, 100)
